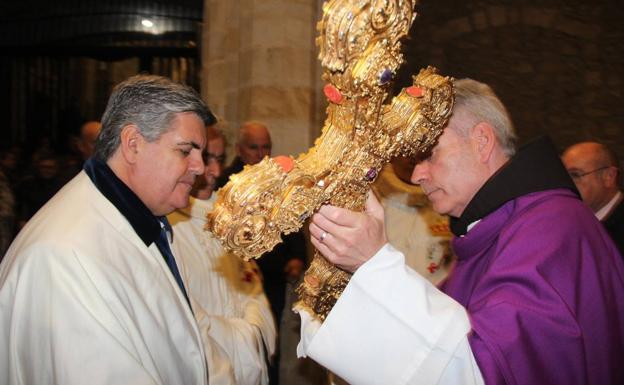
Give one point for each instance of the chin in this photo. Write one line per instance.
(440, 208)
(182, 201)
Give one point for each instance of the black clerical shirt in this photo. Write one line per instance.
(536, 167)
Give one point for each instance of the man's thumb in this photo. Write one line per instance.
(373, 207)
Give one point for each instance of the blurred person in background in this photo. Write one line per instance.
(36, 188)
(595, 170)
(226, 294)
(412, 226)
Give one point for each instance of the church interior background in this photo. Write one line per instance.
(558, 65)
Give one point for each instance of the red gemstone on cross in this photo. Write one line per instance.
(285, 162)
(414, 91)
(332, 94)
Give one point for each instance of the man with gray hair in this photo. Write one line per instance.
(534, 297)
(90, 292)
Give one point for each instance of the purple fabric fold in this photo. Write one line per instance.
(542, 283)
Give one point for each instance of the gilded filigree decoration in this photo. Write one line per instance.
(360, 53)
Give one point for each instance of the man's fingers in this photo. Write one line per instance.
(324, 249)
(324, 241)
(340, 216)
(318, 235)
(315, 231)
(325, 223)
(373, 206)
(348, 238)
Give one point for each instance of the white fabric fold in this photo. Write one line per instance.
(84, 301)
(226, 294)
(392, 326)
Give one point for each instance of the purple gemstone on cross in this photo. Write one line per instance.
(385, 76)
(371, 174)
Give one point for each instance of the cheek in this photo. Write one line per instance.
(586, 192)
(178, 170)
(443, 175)
(582, 187)
(168, 180)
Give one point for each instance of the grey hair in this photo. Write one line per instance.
(149, 102)
(477, 102)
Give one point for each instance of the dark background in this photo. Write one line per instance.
(558, 65)
(60, 59)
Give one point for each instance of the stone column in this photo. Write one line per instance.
(259, 62)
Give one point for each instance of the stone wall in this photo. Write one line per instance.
(259, 63)
(558, 65)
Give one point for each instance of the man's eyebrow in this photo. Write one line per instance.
(190, 143)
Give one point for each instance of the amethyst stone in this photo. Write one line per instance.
(371, 174)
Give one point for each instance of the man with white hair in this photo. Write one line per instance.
(253, 143)
(534, 297)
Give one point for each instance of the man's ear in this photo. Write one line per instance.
(131, 142)
(610, 177)
(484, 140)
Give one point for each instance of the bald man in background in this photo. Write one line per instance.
(286, 261)
(232, 312)
(82, 146)
(252, 145)
(281, 267)
(594, 168)
(89, 132)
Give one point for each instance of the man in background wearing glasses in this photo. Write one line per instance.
(594, 169)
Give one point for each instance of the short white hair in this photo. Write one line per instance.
(477, 102)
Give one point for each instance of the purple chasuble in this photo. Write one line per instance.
(543, 285)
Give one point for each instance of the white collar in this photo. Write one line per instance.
(605, 210)
(473, 224)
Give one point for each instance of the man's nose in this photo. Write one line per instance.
(420, 173)
(214, 168)
(196, 164)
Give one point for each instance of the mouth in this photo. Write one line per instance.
(429, 192)
(188, 182)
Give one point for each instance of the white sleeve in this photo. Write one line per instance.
(392, 326)
(247, 342)
(236, 347)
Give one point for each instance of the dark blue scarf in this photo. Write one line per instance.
(147, 226)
